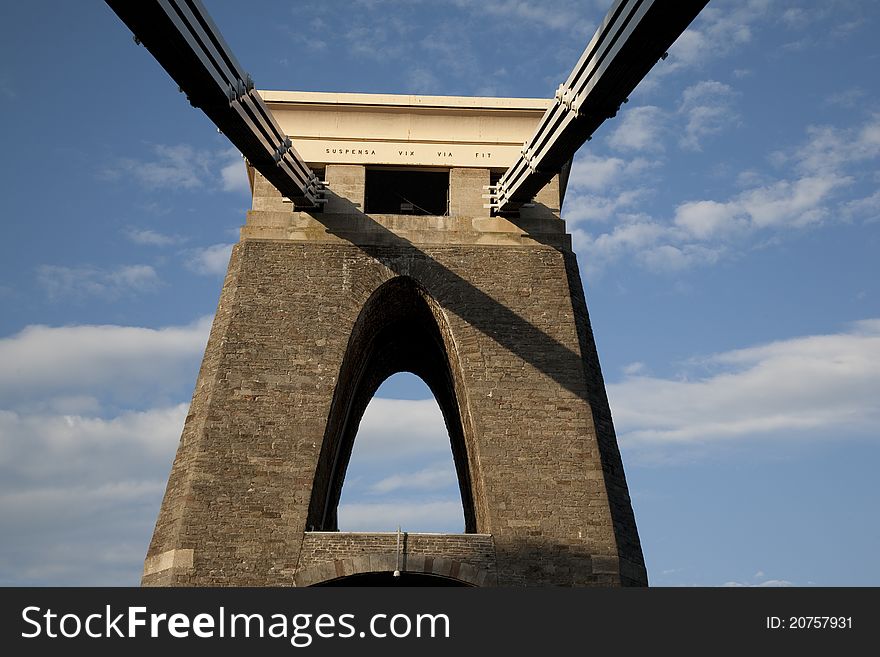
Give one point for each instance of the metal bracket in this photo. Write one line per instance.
(317, 189)
(239, 89)
(281, 150)
(529, 158)
(567, 98)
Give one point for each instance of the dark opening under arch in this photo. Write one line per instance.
(400, 329)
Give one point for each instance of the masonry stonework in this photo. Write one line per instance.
(317, 309)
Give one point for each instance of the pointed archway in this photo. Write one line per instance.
(400, 329)
(401, 473)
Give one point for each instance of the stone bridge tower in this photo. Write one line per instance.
(403, 270)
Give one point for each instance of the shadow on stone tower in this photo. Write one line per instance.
(404, 269)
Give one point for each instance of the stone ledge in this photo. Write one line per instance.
(167, 560)
(393, 229)
(468, 558)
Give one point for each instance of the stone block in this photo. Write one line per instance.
(466, 192)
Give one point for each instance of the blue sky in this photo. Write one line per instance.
(727, 224)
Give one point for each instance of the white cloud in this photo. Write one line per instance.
(796, 203)
(64, 468)
(77, 449)
(378, 38)
(636, 367)
(399, 428)
(6, 89)
(148, 237)
(838, 19)
(593, 207)
(795, 17)
(402, 464)
(769, 583)
(436, 476)
(830, 161)
(867, 208)
(717, 31)
(210, 260)
(705, 219)
(560, 15)
(595, 173)
(848, 98)
(233, 174)
(707, 108)
(181, 167)
(79, 495)
(422, 80)
(81, 479)
(436, 516)
(635, 236)
(813, 386)
(831, 150)
(73, 364)
(178, 166)
(640, 129)
(591, 172)
(77, 283)
(666, 257)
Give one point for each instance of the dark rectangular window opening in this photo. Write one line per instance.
(406, 191)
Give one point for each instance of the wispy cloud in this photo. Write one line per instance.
(759, 580)
(401, 471)
(830, 160)
(832, 149)
(767, 583)
(652, 244)
(848, 98)
(640, 129)
(77, 283)
(816, 173)
(422, 80)
(233, 175)
(558, 15)
(61, 473)
(812, 387)
(795, 203)
(401, 428)
(209, 260)
(707, 108)
(718, 30)
(40, 363)
(87, 434)
(866, 208)
(180, 167)
(437, 476)
(632, 236)
(581, 208)
(177, 166)
(149, 237)
(606, 188)
(594, 173)
(443, 516)
(838, 19)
